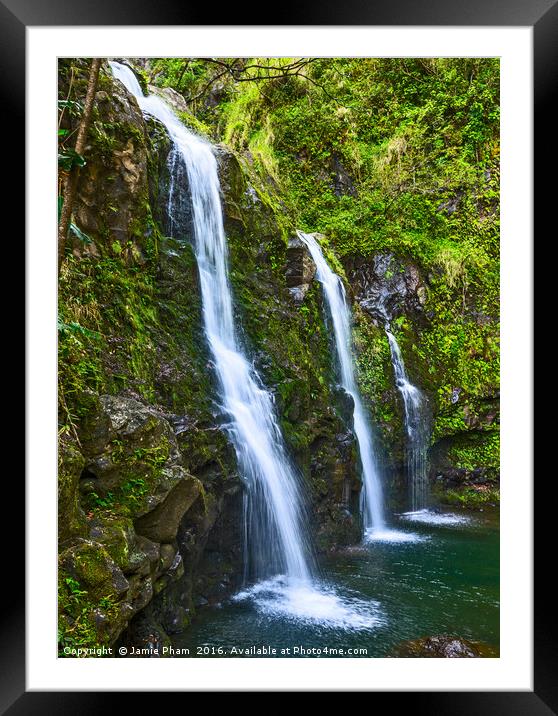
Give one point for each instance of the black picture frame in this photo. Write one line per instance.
(542, 17)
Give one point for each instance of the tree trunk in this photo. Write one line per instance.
(70, 182)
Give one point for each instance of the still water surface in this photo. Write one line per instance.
(438, 575)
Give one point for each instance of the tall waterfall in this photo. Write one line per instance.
(334, 292)
(274, 515)
(416, 427)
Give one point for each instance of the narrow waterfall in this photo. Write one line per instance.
(416, 428)
(276, 543)
(334, 292)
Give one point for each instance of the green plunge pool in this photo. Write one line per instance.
(433, 574)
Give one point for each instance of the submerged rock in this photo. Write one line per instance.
(443, 647)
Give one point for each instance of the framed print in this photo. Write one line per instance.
(280, 269)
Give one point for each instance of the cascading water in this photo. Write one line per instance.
(416, 427)
(278, 552)
(334, 291)
(416, 415)
(276, 541)
(371, 499)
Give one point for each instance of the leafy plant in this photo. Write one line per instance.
(73, 107)
(69, 158)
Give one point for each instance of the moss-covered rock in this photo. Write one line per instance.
(116, 534)
(71, 518)
(161, 524)
(90, 564)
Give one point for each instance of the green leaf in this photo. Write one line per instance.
(78, 233)
(69, 158)
(74, 108)
(76, 329)
(63, 132)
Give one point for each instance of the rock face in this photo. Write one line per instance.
(333, 466)
(70, 466)
(176, 219)
(111, 189)
(300, 270)
(387, 287)
(133, 495)
(342, 182)
(464, 445)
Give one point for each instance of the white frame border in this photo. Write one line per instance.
(513, 671)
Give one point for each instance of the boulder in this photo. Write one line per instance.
(117, 536)
(130, 445)
(161, 524)
(173, 98)
(92, 567)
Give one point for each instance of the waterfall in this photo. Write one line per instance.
(334, 292)
(276, 543)
(416, 427)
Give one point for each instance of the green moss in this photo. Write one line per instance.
(475, 451)
(485, 452)
(108, 330)
(105, 136)
(471, 497)
(117, 534)
(140, 472)
(88, 599)
(192, 122)
(71, 520)
(376, 382)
